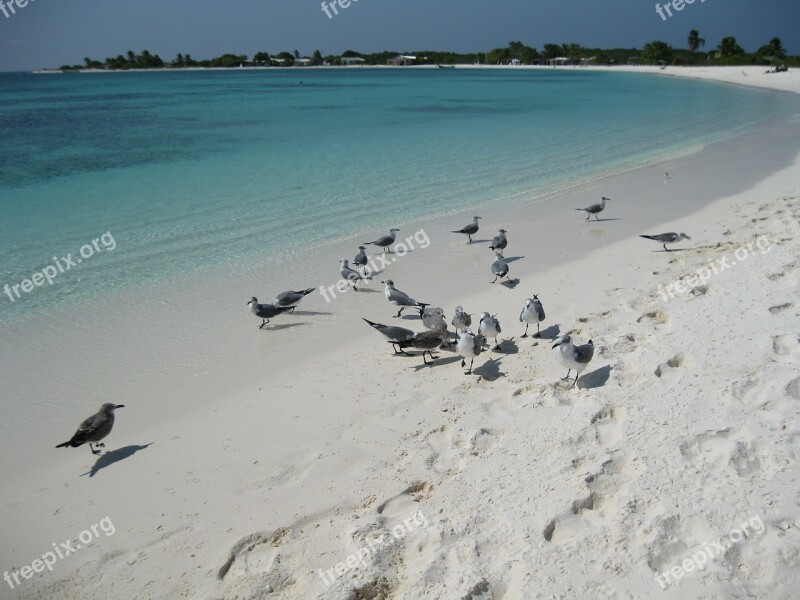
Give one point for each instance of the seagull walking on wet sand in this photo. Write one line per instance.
(266, 311)
(489, 327)
(499, 242)
(427, 341)
(468, 347)
(574, 357)
(393, 335)
(470, 229)
(402, 299)
(499, 266)
(532, 312)
(361, 259)
(290, 299)
(667, 238)
(94, 428)
(385, 241)
(350, 275)
(595, 209)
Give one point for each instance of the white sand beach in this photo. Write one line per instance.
(305, 460)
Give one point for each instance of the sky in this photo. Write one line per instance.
(50, 33)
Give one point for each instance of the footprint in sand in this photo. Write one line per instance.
(254, 554)
(657, 316)
(670, 370)
(405, 503)
(784, 344)
(793, 389)
(778, 309)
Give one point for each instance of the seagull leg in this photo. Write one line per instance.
(526, 331)
(495, 279)
(576, 378)
(596, 218)
(538, 332)
(567, 377)
(95, 452)
(264, 322)
(588, 216)
(472, 360)
(398, 313)
(463, 362)
(665, 248)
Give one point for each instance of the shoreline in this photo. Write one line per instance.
(342, 370)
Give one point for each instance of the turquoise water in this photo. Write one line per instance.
(192, 170)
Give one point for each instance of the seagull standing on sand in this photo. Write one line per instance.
(393, 335)
(94, 429)
(402, 299)
(595, 209)
(361, 258)
(290, 299)
(469, 346)
(574, 357)
(266, 311)
(499, 242)
(461, 319)
(470, 229)
(386, 241)
(667, 238)
(499, 266)
(490, 327)
(350, 275)
(427, 341)
(532, 312)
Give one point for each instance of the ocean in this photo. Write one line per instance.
(187, 171)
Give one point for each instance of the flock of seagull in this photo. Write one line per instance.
(468, 344)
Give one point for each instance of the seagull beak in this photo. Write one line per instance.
(120, 406)
(556, 344)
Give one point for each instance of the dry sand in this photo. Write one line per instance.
(504, 484)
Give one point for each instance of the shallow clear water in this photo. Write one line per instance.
(191, 170)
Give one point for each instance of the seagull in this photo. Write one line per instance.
(386, 241)
(427, 341)
(266, 311)
(594, 209)
(361, 258)
(489, 326)
(393, 334)
(469, 346)
(401, 299)
(499, 242)
(499, 266)
(350, 275)
(572, 357)
(433, 318)
(461, 319)
(532, 312)
(94, 429)
(470, 229)
(667, 238)
(290, 299)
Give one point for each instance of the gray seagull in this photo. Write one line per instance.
(393, 335)
(667, 238)
(266, 311)
(386, 241)
(427, 341)
(532, 312)
(499, 266)
(350, 275)
(361, 258)
(470, 229)
(468, 347)
(574, 357)
(594, 209)
(94, 429)
(499, 242)
(402, 299)
(290, 299)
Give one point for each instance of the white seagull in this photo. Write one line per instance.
(490, 327)
(595, 209)
(532, 312)
(574, 357)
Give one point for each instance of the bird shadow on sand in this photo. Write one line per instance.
(510, 283)
(409, 317)
(367, 290)
(271, 327)
(309, 313)
(109, 458)
(595, 379)
(662, 251)
(550, 333)
(508, 346)
(479, 242)
(437, 362)
(513, 258)
(600, 220)
(490, 370)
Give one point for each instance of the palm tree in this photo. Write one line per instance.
(776, 48)
(131, 56)
(729, 47)
(695, 41)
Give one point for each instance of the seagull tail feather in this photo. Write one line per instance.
(647, 237)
